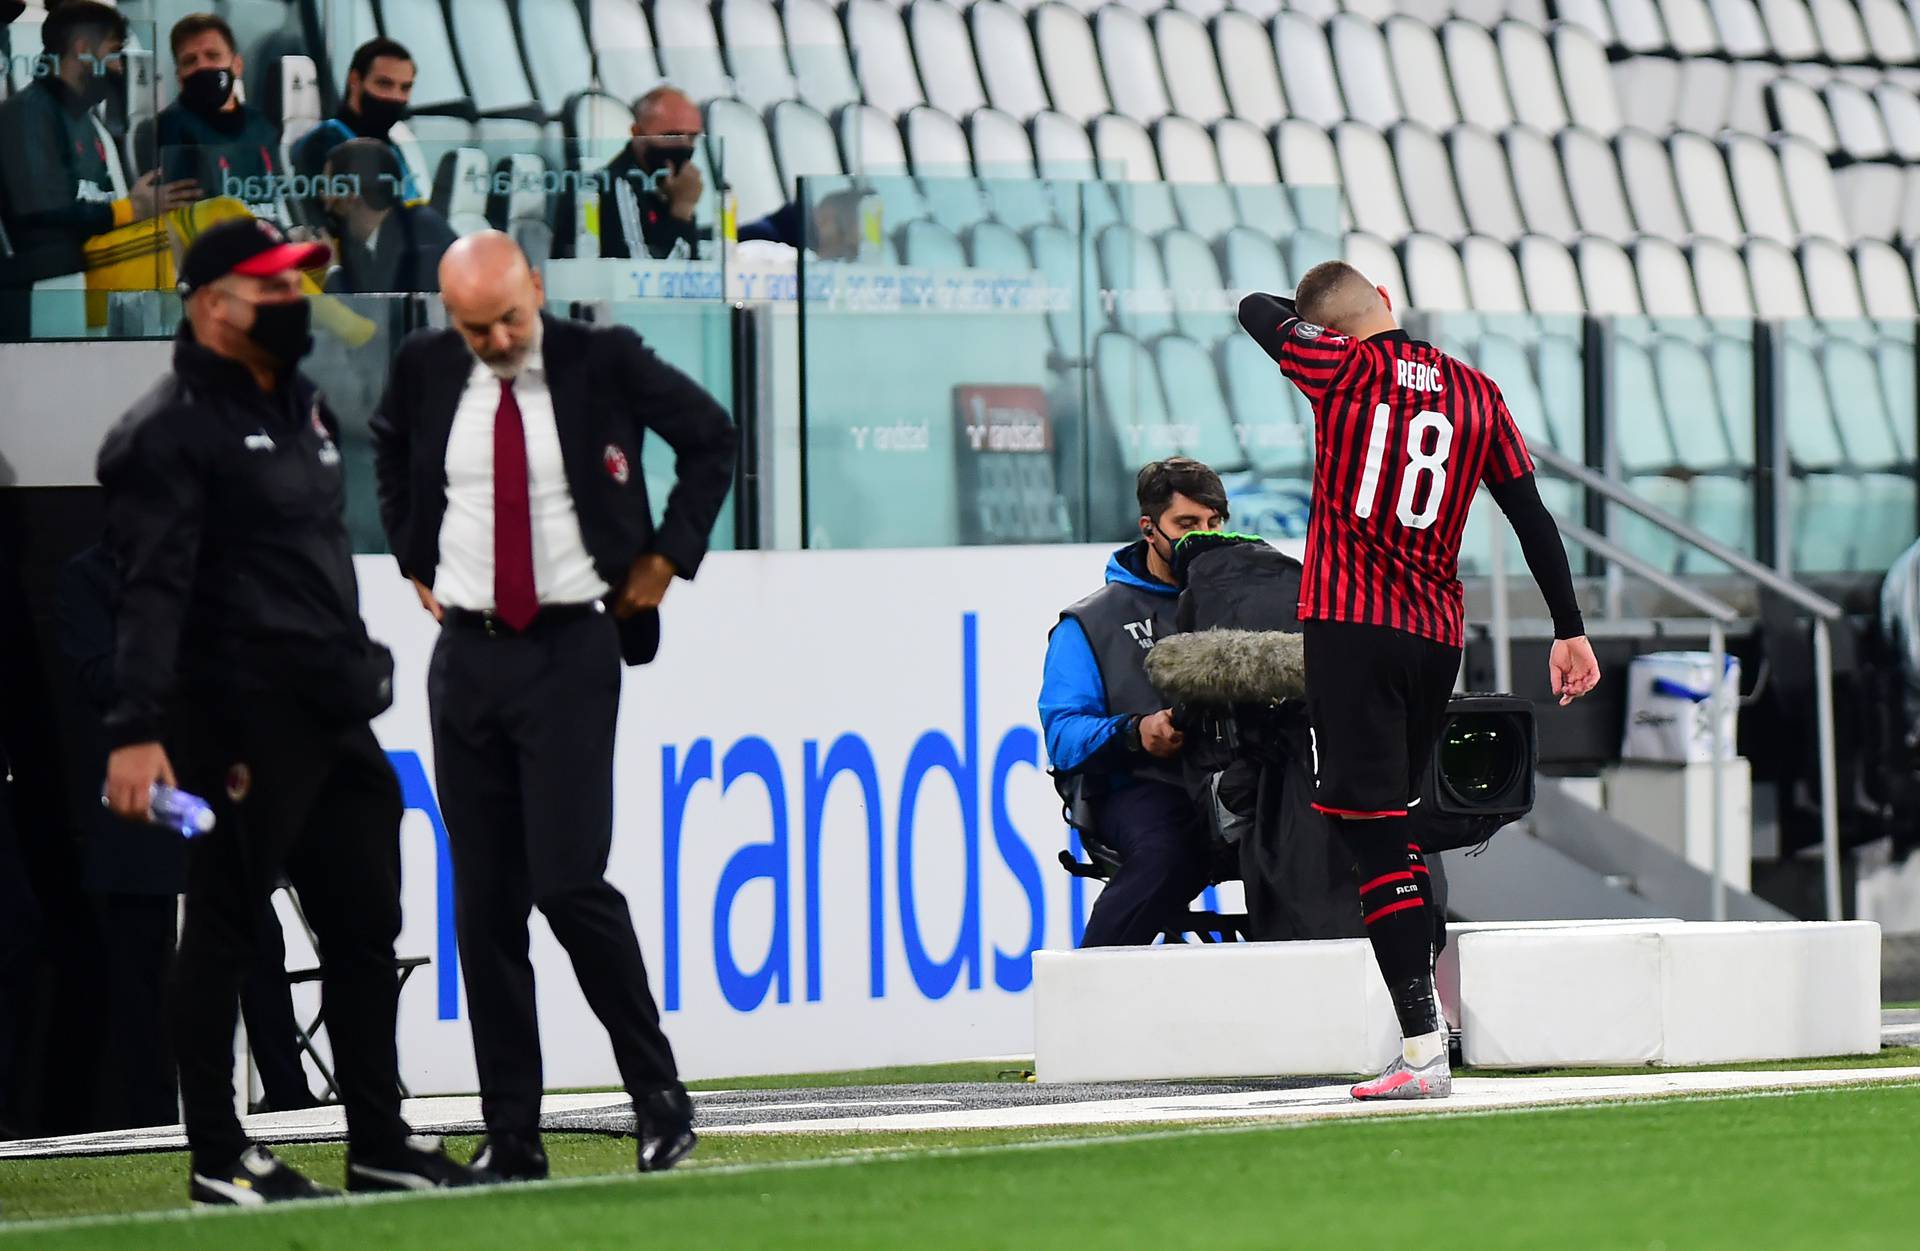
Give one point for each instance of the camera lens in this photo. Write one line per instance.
(1478, 758)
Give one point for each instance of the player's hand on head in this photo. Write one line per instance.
(1572, 669)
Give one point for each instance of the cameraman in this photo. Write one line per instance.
(1106, 725)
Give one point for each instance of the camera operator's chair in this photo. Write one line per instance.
(1104, 860)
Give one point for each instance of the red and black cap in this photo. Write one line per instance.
(245, 245)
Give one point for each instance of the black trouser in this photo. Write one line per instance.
(523, 756)
(1162, 842)
(321, 807)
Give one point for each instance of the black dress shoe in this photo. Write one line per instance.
(664, 1121)
(255, 1178)
(418, 1163)
(511, 1157)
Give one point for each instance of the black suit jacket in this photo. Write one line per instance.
(608, 390)
(406, 255)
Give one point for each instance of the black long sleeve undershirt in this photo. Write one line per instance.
(1519, 499)
(1264, 317)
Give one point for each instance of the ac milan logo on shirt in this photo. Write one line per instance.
(616, 462)
(239, 782)
(1307, 330)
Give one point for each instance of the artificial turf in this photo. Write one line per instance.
(1829, 1169)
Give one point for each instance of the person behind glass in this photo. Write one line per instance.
(135, 873)
(56, 185)
(208, 135)
(240, 656)
(1104, 720)
(378, 89)
(508, 456)
(653, 188)
(383, 243)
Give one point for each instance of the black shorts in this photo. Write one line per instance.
(1377, 699)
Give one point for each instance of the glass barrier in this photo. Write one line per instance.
(1681, 434)
(354, 339)
(1072, 329)
(1847, 408)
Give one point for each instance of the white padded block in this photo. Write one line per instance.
(1446, 971)
(1752, 991)
(1684, 993)
(1229, 1010)
(1535, 998)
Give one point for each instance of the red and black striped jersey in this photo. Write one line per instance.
(1404, 434)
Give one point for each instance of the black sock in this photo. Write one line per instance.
(1394, 903)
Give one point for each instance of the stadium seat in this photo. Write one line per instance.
(1779, 291)
(1485, 182)
(1541, 184)
(1366, 166)
(1420, 68)
(746, 156)
(1561, 368)
(1479, 87)
(1842, 35)
(689, 49)
(1189, 162)
(870, 142)
(623, 57)
(1307, 156)
(1248, 69)
(1890, 33)
(1365, 71)
(1886, 282)
(1130, 264)
(1426, 181)
(882, 56)
(1551, 277)
(944, 53)
(1607, 279)
(1593, 178)
(1507, 363)
(460, 190)
(1720, 279)
(1587, 81)
(526, 216)
(1435, 280)
(1900, 114)
(943, 162)
(1646, 174)
(1794, 108)
(1700, 172)
(929, 245)
(1665, 278)
(1247, 166)
(1533, 82)
(1127, 160)
(1790, 29)
(1194, 396)
(1306, 69)
(1191, 71)
(1593, 15)
(1131, 62)
(1742, 33)
(422, 26)
(1070, 62)
(559, 58)
(756, 52)
(1003, 158)
(1254, 263)
(1691, 401)
(822, 68)
(803, 145)
(1493, 277)
(1278, 436)
(1009, 69)
(995, 247)
(489, 53)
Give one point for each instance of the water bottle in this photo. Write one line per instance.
(175, 809)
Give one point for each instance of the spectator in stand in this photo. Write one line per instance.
(653, 189)
(208, 134)
(383, 244)
(379, 87)
(56, 186)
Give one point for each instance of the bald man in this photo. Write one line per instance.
(508, 453)
(651, 197)
(1404, 435)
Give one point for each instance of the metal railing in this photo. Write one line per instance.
(1718, 614)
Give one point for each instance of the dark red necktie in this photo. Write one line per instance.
(514, 597)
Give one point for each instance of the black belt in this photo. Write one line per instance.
(550, 616)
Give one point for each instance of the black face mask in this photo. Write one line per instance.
(378, 114)
(283, 331)
(206, 91)
(655, 158)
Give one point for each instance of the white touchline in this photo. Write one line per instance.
(687, 1173)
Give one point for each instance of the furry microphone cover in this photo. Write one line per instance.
(1228, 667)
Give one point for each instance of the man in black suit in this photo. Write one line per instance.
(508, 451)
(384, 244)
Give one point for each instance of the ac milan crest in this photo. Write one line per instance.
(616, 462)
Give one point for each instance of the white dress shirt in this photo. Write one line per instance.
(563, 572)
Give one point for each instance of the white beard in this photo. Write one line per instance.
(509, 370)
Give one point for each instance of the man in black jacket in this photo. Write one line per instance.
(508, 449)
(241, 655)
(208, 134)
(650, 194)
(385, 245)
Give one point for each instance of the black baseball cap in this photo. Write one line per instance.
(245, 245)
